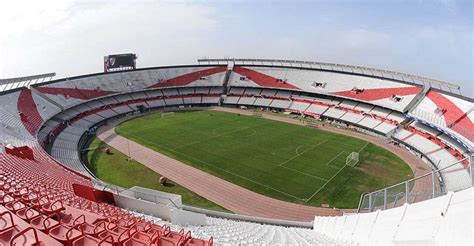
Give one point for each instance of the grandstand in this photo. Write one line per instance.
(49, 197)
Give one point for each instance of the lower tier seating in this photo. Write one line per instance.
(234, 232)
(39, 207)
(455, 177)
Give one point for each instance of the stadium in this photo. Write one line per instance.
(235, 152)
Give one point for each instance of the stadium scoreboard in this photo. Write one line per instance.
(119, 62)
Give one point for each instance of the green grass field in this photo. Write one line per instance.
(285, 161)
(116, 169)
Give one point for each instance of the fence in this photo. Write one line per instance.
(424, 187)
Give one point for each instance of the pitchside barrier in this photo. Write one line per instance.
(157, 197)
(399, 194)
(161, 205)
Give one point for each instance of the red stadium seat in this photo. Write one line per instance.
(199, 242)
(172, 238)
(65, 234)
(92, 241)
(44, 223)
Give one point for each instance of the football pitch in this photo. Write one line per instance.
(281, 160)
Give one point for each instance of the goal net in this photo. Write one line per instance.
(352, 159)
(167, 114)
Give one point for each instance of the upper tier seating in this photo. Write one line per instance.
(11, 123)
(76, 90)
(372, 117)
(45, 108)
(376, 91)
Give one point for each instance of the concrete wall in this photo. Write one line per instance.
(154, 196)
(146, 207)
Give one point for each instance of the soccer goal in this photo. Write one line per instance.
(167, 114)
(352, 159)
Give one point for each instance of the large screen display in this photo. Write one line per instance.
(122, 60)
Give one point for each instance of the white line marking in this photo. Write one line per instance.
(217, 136)
(296, 151)
(316, 177)
(251, 134)
(311, 197)
(214, 131)
(328, 163)
(333, 166)
(283, 163)
(324, 185)
(363, 147)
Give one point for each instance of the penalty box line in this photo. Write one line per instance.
(311, 197)
(297, 155)
(327, 181)
(333, 159)
(307, 174)
(324, 185)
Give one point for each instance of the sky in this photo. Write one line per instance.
(432, 38)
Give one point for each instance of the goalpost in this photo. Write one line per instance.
(352, 159)
(167, 114)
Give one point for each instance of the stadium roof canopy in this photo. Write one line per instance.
(13, 83)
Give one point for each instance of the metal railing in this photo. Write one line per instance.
(422, 188)
(18, 82)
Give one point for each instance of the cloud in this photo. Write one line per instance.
(450, 5)
(21, 17)
(71, 37)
